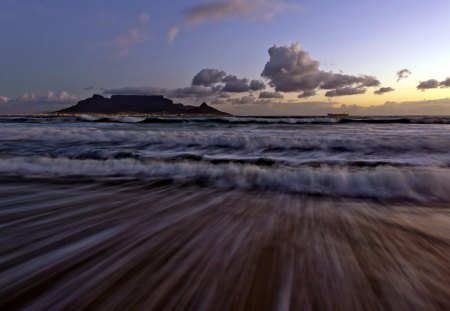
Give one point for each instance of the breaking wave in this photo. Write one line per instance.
(381, 182)
(220, 141)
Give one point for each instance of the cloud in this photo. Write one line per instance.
(219, 10)
(123, 42)
(245, 100)
(337, 80)
(50, 97)
(429, 84)
(227, 9)
(344, 91)
(291, 69)
(272, 95)
(445, 83)
(31, 103)
(307, 93)
(4, 99)
(208, 77)
(194, 91)
(256, 85)
(144, 18)
(172, 33)
(433, 84)
(235, 85)
(248, 100)
(232, 84)
(403, 74)
(383, 90)
(143, 90)
(418, 108)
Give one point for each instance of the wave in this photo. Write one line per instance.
(214, 141)
(233, 120)
(382, 182)
(274, 120)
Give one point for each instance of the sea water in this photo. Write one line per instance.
(246, 213)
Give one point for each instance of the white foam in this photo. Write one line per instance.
(384, 182)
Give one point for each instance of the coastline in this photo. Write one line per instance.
(157, 245)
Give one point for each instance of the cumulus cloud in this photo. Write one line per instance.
(235, 85)
(256, 85)
(383, 90)
(273, 95)
(208, 77)
(433, 84)
(429, 84)
(445, 83)
(123, 42)
(403, 74)
(307, 93)
(344, 91)
(232, 84)
(291, 69)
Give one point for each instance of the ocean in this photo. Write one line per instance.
(231, 213)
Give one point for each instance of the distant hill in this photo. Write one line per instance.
(132, 104)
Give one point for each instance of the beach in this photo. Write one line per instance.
(224, 214)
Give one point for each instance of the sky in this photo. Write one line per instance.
(258, 57)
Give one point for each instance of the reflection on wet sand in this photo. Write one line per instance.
(160, 246)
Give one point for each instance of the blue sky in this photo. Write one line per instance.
(67, 46)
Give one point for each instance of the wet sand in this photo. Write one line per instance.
(159, 246)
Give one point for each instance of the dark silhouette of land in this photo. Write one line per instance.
(133, 104)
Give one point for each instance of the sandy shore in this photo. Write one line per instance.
(134, 246)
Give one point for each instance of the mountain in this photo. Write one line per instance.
(203, 109)
(137, 104)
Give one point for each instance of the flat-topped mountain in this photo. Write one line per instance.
(136, 104)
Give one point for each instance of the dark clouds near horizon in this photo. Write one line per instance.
(383, 90)
(289, 69)
(433, 84)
